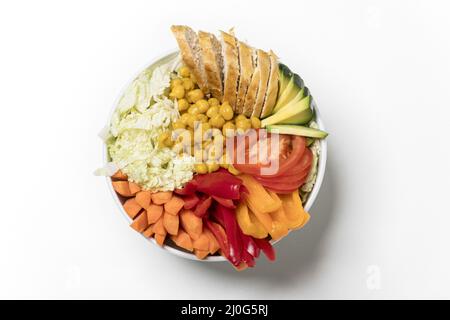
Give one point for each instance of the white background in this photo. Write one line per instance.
(379, 71)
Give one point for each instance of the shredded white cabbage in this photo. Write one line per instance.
(142, 115)
(107, 170)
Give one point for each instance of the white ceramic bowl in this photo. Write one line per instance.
(171, 247)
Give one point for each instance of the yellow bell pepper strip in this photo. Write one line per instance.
(258, 199)
(293, 209)
(249, 224)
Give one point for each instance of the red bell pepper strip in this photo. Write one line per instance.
(249, 245)
(219, 184)
(188, 189)
(248, 259)
(202, 207)
(266, 247)
(225, 202)
(190, 201)
(228, 219)
(220, 235)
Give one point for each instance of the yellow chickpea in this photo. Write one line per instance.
(183, 105)
(217, 121)
(202, 118)
(176, 82)
(202, 105)
(213, 102)
(191, 121)
(212, 166)
(226, 111)
(194, 109)
(178, 125)
(212, 111)
(193, 78)
(240, 117)
(195, 95)
(188, 84)
(165, 138)
(201, 168)
(255, 122)
(185, 118)
(184, 72)
(228, 129)
(243, 125)
(177, 92)
(169, 142)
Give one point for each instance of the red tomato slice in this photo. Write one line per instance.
(302, 167)
(281, 183)
(291, 150)
(291, 180)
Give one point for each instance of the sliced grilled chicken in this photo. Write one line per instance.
(191, 53)
(264, 68)
(211, 51)
(246, 72)
(272, 89)
(230, 68)
(252, 90)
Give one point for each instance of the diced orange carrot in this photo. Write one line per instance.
(154, 212)
(122, 188)
(213, 243)
(148, 232)
(160, 239)
(174, 205)
(158, 227)
(144, 198)
(119, 175)
(140, 223)
(183, 240)
(171, 223)
(132, 208)
(192, 224)
(201, 254)
(161, 197)
(202, 243)
(134, 187)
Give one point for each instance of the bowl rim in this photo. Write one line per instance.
(178, 252)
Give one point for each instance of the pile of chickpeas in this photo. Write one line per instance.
(218, 118)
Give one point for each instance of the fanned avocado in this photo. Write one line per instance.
(299, 96)
(297, 130)
(285, 76)
(296, 112)
(289, 92)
